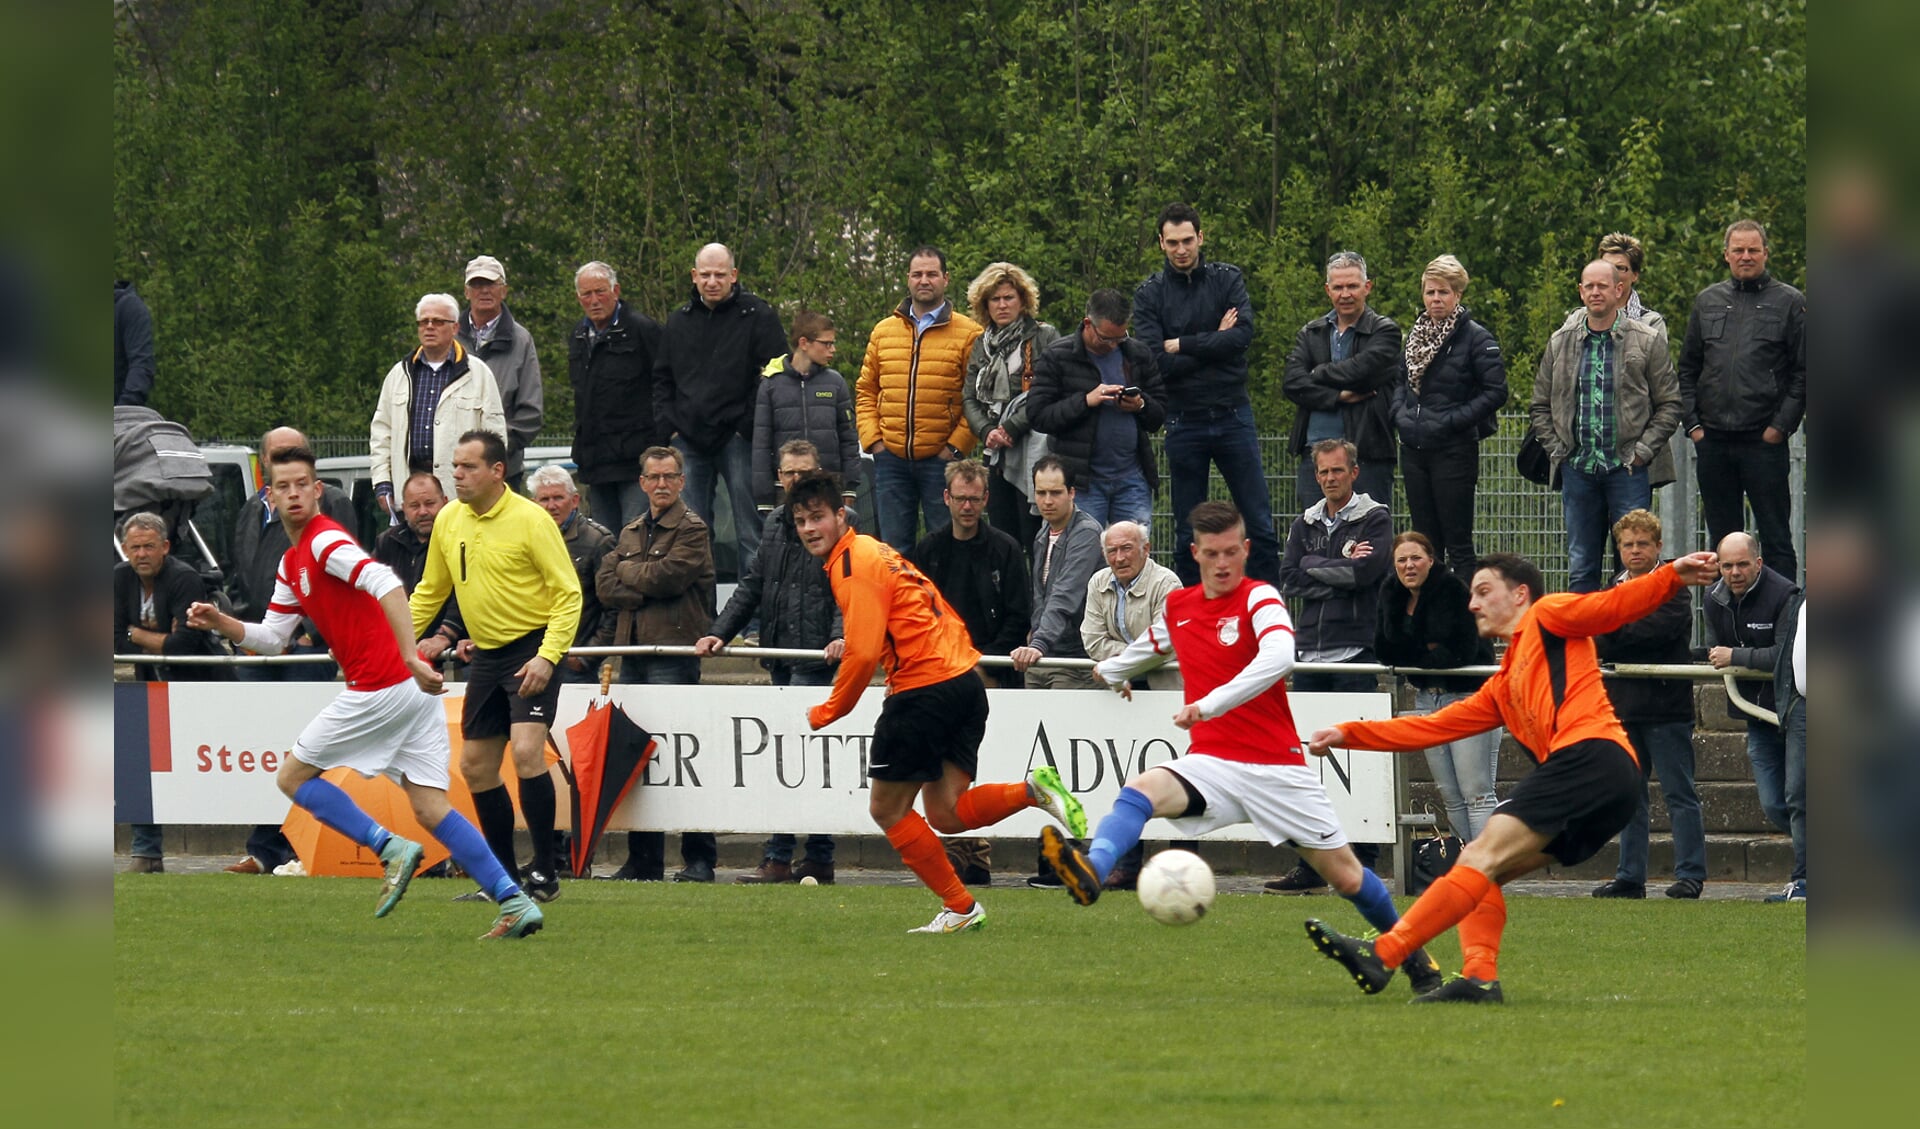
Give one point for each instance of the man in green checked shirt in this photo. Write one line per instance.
(1605, 402)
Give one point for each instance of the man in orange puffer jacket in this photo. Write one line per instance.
(908, 401)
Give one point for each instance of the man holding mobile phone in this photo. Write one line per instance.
(1099, 395)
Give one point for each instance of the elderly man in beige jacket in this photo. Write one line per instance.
(1123, 599)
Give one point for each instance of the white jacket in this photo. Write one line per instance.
(1146, 602)
(471, 402)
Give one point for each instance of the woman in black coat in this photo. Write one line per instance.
(1454, 387)
(1424, 622)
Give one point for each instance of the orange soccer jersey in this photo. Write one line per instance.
(894, 615)
(1548, 692)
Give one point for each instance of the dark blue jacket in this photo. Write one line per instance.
(1334, 598)
(707, 375)
(1210, 370)
(1460, 395)
(1748, 624)
(613, 418)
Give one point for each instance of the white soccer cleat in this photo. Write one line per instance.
(947, 921)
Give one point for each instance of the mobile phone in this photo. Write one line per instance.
(1130, 390)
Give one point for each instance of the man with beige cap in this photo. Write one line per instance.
(489, 331)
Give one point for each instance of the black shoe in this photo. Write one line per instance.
(1685, 888)
(541, 886)
(441, 869)
(699, 870)
(627, 873)
(1356, 955)
(1047, 881)
(1464, 990)
(975, 875)
(1122, 879)
(1302, 879)
(1423, 972)
(1620, 889)
(474, 896)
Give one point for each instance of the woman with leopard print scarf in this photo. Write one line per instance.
(1449, 401)
(1005, 299)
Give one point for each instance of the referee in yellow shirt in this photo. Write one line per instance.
(505, 559)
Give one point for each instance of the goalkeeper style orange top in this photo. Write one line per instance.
(892, 614)
(1548, 692)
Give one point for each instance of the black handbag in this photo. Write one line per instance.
(1533, 462)
(1432, 857)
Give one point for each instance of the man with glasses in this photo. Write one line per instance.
(1340, 378)
(788, 591)
(1196, 320)
(431, 397)
(488, 329)
(1098, 395)
(804, 398)
(656, 586)
(982, 572)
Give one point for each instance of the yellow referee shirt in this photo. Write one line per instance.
(510, 569)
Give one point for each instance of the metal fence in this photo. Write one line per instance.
(1510, 513)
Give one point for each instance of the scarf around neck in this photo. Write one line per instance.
(1423, 344)
(1003, 376)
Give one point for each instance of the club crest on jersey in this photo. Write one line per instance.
(1229, 631)
(306, 586)
(1347, 549)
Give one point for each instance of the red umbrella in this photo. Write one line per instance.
(609, 752)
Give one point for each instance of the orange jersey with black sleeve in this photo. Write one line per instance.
(1548, 692)
(892, 614)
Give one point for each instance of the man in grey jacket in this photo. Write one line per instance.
(1066, 554)
(489, 331)
(1605, 402)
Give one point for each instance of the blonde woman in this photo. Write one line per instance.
(1006, 300)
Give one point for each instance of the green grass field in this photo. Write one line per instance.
(285, 1003)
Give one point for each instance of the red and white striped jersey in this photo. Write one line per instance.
(1234, 654)
(330, 579)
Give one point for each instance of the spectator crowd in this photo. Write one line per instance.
(1013, 463)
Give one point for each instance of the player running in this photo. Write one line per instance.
(386, 720)
(1234, 641)
(1548, 695)
(926, 743)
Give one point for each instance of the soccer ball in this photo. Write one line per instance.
(1176, 887)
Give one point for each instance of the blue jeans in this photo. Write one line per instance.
(1590, 504)
(819, 847)
(1665, 748)
(1117, 499)
(733, 463)
(1226, 438)
(1780, 774)
(146, 841)
(1463, 770)
(903, 486)
(614, 504)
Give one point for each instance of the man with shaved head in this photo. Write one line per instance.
(1745, 613)
(706, 379)
(259, 541)
(1605, 403)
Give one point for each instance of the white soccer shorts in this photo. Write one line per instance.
(1286, 803)
(399, 731)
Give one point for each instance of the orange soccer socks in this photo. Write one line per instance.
(1480, 936)
(926, 856)
(984, 805)
(1446, 903)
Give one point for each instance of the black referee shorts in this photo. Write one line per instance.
(494, 704)
(921, 729)
(1580, 798)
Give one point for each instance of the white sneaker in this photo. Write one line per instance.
(948, 921)
(291, 869)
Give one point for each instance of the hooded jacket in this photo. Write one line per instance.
(708, 370)
(1064, 373)
(788, 588)
(1060, 601)
(612, 376)
(908, 394)
(1314, 381)
(817, 407)
(1332, 595)
(1210, 370)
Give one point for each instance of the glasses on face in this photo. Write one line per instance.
(785, 474)
(1111, 340)
(425, 322)
(967, 499)
(826, 342)
(660, 479)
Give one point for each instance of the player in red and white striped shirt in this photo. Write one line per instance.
(1245, 762)
(386, 720)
